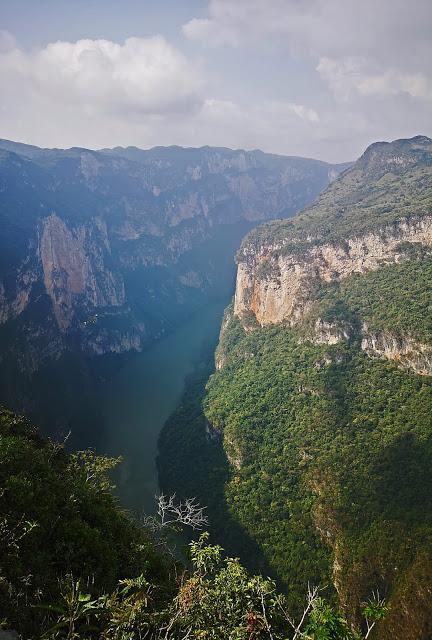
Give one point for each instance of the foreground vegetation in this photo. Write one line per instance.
(315, 461)
(74, 565)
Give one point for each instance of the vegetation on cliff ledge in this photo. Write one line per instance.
(331, 470)
(389, 182)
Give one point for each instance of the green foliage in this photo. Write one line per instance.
(58, 517)
(375, 609)
(216, 599)
(395, 298)
(389, 182)
(318, 436)
(93, 468)
(327, 624)
(61, 591)
(74, 612)
(192, 460)
(126, 613)
(330, 451)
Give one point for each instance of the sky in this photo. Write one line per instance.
(315, 78)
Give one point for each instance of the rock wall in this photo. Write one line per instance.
(75, 269)
(276, 285)
(406, 352)
(12, 306)
(122, 244)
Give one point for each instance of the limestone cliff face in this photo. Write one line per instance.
(275, 284)
(329, 332)
(75, 269)
(103, 252)
(406, 352)
(346, 282)
(12, 306)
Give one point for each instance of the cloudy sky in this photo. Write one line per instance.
(318, 78)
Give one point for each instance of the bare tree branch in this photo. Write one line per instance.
(312, 596)
(169, 512)
(378, 606)
(189, 512)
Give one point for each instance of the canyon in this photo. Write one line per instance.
(271, 284)
(321, 400)
(322, 390)
(105, 252)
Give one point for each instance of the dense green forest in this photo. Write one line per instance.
(331, 464)
(73, 564)
(311, 455)
(389, 182)
(327, 472)
(395, 299)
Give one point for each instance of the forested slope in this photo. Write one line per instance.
(323, 391)
(73, 565)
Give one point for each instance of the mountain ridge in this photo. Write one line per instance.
(21, 147)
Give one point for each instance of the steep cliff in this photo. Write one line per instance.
(284, 268)
(275, 283)
(74, 268)
(102, 252)
(323, 389)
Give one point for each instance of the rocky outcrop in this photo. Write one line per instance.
(222, 352)
(12, 306)
(125, 242)
(330, 332)
(75, 269)
(276, 284)
(404, 351)
(212, 434)
(233, 451)
(115, 341)
(352, 276)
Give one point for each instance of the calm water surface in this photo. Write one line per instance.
(135, 404)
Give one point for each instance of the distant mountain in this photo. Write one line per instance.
(101, 252)
(322, 402)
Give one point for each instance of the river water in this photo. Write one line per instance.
(137, 401)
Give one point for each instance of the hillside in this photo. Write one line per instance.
(61, 523)
(74, 565)
(322, 398)
(102, 252)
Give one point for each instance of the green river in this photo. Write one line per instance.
(137, 401)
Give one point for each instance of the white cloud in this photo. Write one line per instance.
(306, 113)
(373, 60)
(360, 76)
(391, 82)
(382, 47)
(144, 92)
(7, 41)
(272, 126)
(145, 75)
(325, 27)
(321, 78)
(244, 20)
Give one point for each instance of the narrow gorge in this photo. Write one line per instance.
(216, 320)
(103, 253)
(319, 409)
(307, 433)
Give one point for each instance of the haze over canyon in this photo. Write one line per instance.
(215, 320)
